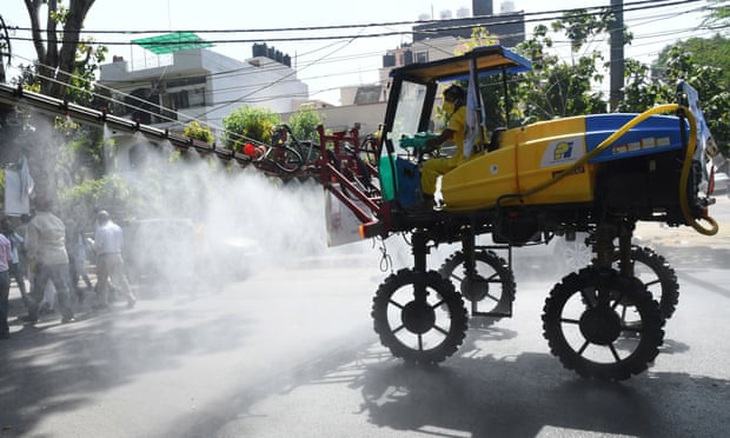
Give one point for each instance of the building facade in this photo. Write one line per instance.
(199, 84)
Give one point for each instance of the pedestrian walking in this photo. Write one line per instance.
(16, 245)
(108, 245)
(6, 259)
(45, 244)
(77, 266)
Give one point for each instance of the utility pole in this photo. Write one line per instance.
(617, 53)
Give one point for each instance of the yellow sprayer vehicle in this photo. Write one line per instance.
(593, 175)
(597, 175)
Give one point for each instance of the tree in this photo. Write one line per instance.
(713, 51)
(718, 13)
(304, 124)
(480, 36)
(714, 94)
(199, 132)
(81, 155)
(57, 48)
(248, 123)
(6, 134)
(491, 87)
(65, 68)
(702, 64)
(555, 88)
(4, 48)
(641, 90)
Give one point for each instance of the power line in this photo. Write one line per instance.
(177, 121)
(375, 54)
(635, 3)
(320, 61)
(627, 6)
(519, 18)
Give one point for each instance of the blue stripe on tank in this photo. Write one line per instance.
(653, 135)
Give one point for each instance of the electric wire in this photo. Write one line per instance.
(240, 73)
(666, 33)
(637, 6)
(693, 0)
(178, 114)
(348, 26)
(160, 107)
(218, 108)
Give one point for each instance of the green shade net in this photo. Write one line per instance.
(172, 42)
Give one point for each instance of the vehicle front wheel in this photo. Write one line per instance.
(419, 317)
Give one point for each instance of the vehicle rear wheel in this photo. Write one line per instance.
(602, 325)
(423, 328)
(491, 290)
(659, 278)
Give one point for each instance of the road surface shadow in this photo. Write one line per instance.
(49, 367)
(529, 394)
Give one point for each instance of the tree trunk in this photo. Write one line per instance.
(56, 64)
(57, 59)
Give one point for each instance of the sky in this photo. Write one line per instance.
(328, 64)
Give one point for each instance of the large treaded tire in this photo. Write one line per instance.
(587, 332)
(667, 294)
(496, 272)
(419, 332)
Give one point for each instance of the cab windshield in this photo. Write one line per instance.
(408, 114)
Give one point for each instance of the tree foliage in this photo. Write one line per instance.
(556, 88)
(718, 13)
(480, 36)
(87, 197)
(198, 131)
(5, 49)
(81, 155)
(559, 88)
(57, 40)
(65, 68)
(249, 123)
(304, 124)
(714, 51)
(702, 64)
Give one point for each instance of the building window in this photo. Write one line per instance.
(178, 100)
(420, 57)
(196, 97)
(186, 98)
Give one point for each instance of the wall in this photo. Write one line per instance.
(339, 118)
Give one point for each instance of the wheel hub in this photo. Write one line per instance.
(600, 325)
(474, 288)
(418, 317)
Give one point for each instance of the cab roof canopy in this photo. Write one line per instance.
(489, 60)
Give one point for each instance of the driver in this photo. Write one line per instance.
(455, 109)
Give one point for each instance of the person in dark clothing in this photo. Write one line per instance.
(16, 244)
(5, 261)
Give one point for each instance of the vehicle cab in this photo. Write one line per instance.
(414, 92)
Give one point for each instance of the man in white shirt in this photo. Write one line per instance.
(45, 243)
(108, 244)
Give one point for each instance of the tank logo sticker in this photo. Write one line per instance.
(563, 151)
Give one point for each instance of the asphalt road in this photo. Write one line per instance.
(289, 352)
